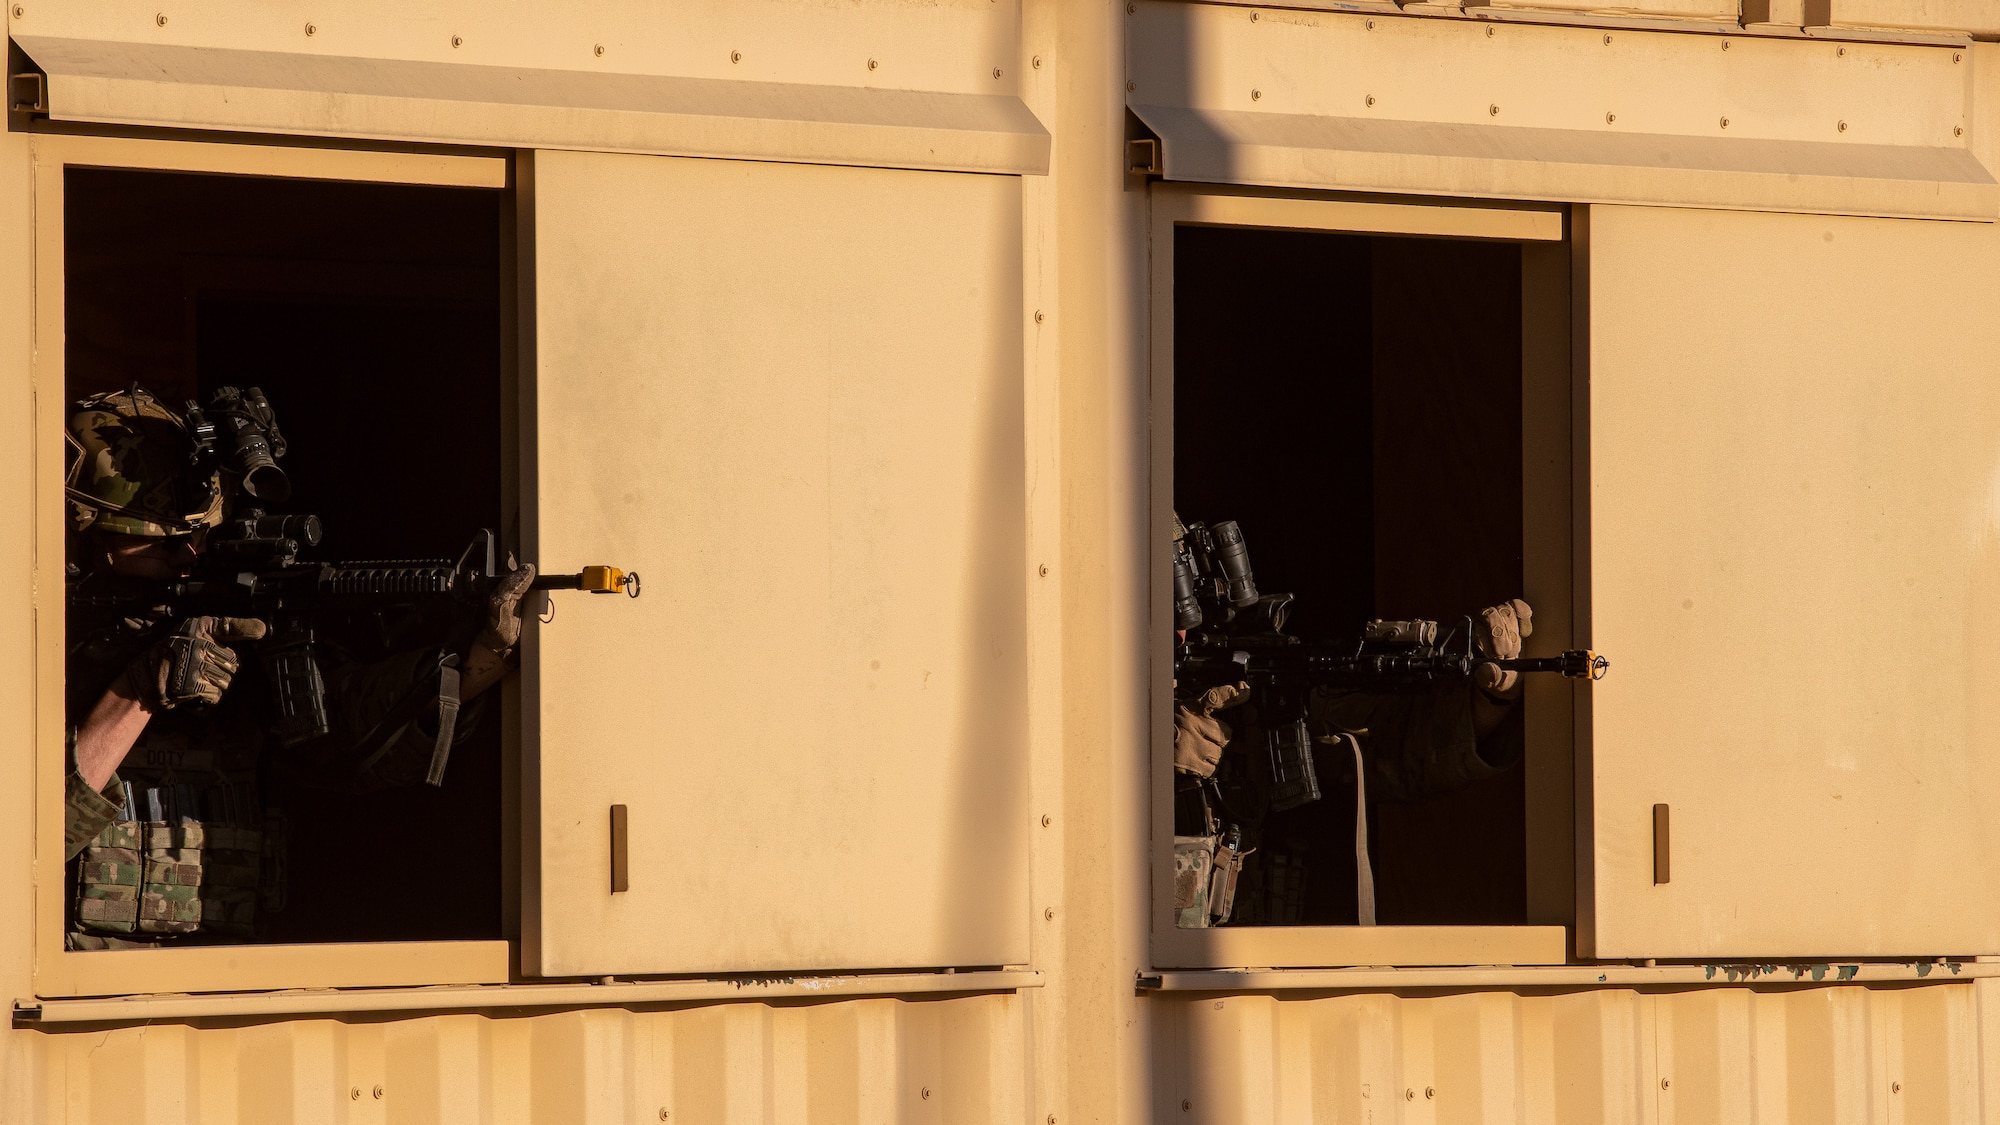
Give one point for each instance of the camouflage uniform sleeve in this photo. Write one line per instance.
(88, 812)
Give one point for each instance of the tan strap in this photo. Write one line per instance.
(1364, 871)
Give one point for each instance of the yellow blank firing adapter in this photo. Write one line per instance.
(596, 579)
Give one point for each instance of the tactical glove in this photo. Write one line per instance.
(1499, 632)
(503, 609)
(1198, 735)
(192, 664)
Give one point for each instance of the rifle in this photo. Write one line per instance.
(250, 568)
(1389, 655)
(1283, 670)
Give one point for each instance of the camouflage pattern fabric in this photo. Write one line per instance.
(129, 468)
(170, 892)
(1194, 867)
(109, 880)
(87, 813)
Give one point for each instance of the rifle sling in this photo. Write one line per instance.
(447, 717)
(372, 746)
(1364, 871)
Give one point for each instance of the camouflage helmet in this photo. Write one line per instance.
(132, 471)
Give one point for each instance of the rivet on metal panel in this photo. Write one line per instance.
(354, 1094)
(1840, 52)
(1489, 33)
(1954, 56)
(1046, 818)
(1036, 62)
(456, 41)
(926, 1092)
(1052, 1119)
(871, 64)
(1430, 1092)
(735, 56)
(1256, 94)
(1725, 44)
(665, 1113)
(1493, 110)
(1253, 17)
(598, 50)
(1130, 10)
(1038, 320)
(996, 72)
(1607, 41)
(1843, 126)
(161, 19)
(1725, 123)
(1958, 130)
(1370, 99)
(1049, 915)
(378, 1092)
(1371, 25)
(1186, 1105)
(1131, 87)
(1409, 1095)
(1665, 1082)
(1895, 1087)
(1610, 118)
(311, 30)
(19, 11)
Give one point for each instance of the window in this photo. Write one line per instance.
(1385, 419)
(789, 395)
(363, 293)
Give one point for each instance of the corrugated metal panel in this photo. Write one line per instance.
(1817, 1056)
(861, 1061)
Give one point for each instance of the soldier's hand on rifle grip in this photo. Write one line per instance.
(503, 609)
(486, 661)
(1499, 632)
(1199, 737)
(193, 664)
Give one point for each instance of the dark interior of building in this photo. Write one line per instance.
(1354, 403)
(370, 315)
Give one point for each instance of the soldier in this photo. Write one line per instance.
(163, 798)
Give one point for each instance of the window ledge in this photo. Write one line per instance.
(135, 1009)
(1375, 979)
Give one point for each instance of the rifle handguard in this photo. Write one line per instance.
(595, 579)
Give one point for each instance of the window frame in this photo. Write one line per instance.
(1551, 400)
(63, 972)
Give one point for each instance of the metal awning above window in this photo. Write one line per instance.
(1462, 107)
(1301, 151)
(127, 83)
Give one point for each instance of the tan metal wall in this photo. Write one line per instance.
(863, 1061)
(1814, 1056)
(1088, 1047)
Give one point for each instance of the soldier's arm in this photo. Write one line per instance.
(108, 733)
